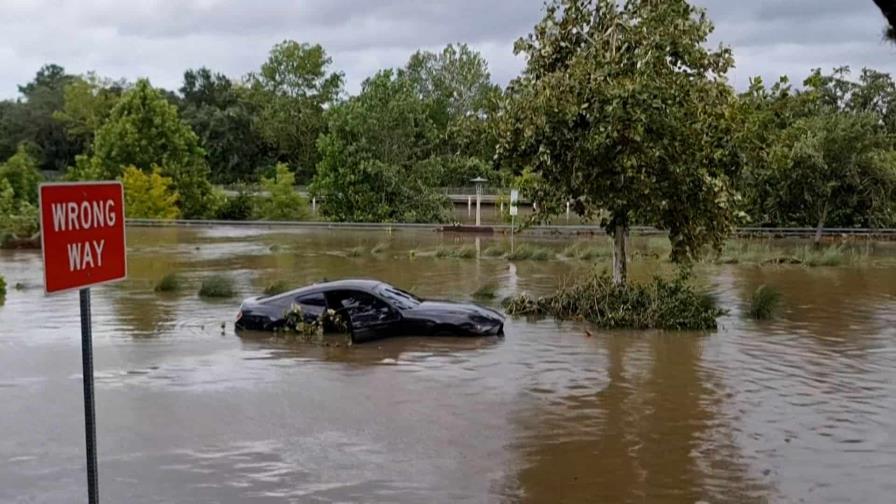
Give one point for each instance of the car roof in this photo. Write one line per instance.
(362, 284)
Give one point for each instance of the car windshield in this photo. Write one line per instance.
(399, 298)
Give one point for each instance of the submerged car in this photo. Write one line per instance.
(369, 310)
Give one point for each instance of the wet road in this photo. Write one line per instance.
(800, 409)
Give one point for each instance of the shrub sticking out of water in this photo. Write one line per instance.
(278, 287)
(217, 286)
(487, 292)
(764, 303)
(356, 252)
(494, 251)
(530, 253)
(586, 252)
(20, 286)
(169, 283)
(379, 248)
(464, 252)
(2, 287)
(658, 304)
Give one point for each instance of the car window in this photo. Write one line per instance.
(312, 304)
(400, 298)
(361, 307)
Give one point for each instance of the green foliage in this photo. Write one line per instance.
(278, 287)
(290, 93)
(659, 304)
(29, 121)
(282, 203)
(217, 286)
(149, 195)
(623, 110)
(494, 251)
(379, 248)
(585, 251)
(20, 171)
(87, 104)
(19, 180)
(370, 169)
(237, 208)
(2, 288)
(462, 252)
(357, 251)
(313, 327)
(144, 130)
(487, 292)
(530, 253)
(764, 303)
(169, 283)
(223, 116)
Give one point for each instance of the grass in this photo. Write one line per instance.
(169, 283)
(584, 251)
(2, 287)
(357, 252)
(531, 253)
(278, 287)
(755, 253)
(764, 303)
(487, 292)
(658, 304)
(463, 252)
(217, 286)
(494, 251)
(379, 248)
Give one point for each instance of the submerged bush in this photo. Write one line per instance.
(2, 287)
(217, 286)
(494, 251)
(278, 287)
(379, 248)
(586, 252)
(530, 253)
(356, 252)
(465, 252)
(487, 292)
(169, 283)
(764, 303)
(658, 304)
(313, 327)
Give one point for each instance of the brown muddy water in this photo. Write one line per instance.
(800, 409)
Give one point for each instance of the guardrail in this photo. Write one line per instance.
(505, 228)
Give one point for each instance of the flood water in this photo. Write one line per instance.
(799, 409)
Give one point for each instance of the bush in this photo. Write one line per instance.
(464, 252)
(149, 195)
(283, 203)
(530, 253)
(764, 303)
(237, 208)
(659, 304)
(585, 252)
(278, 287)
(217, 286)
(486, 293)
(494, 251)
(169, 283)
(2, 287)
(379, 248)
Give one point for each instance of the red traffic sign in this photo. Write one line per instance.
(82, 234)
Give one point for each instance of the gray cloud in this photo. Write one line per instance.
(161, 38)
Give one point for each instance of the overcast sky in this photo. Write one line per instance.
(159, 39)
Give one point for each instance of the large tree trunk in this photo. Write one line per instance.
(620, 254)
(821, 221)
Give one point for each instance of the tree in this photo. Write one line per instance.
(291, 90)
(371, 166)
(834, 167)
(29, 120)
(20, 171)
(88, 101)
(888, 8)
(283, 202)
(149, 195)
(144, 130)
(222, 115)
(624, 111)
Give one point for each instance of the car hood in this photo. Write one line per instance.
(431, 308)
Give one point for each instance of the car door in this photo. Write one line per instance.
(312, 305)
(369, 317)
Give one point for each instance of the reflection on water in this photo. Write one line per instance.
(796, 409)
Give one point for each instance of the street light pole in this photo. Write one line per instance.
(479, 181)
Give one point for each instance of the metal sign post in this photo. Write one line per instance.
(514, 210)
(83, 244)
(89, 408)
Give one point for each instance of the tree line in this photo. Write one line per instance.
(622, 109)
